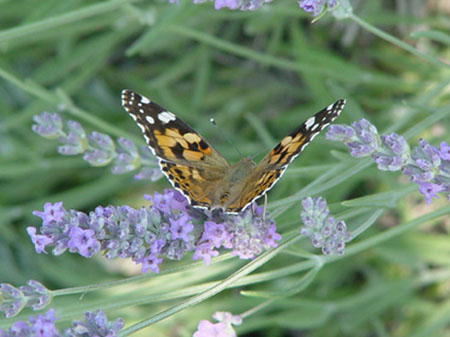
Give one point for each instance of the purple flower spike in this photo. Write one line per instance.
(340, 132)
(101, 151)
(394, 153)
(75, 141)
(12, 300)
(48, 125)
(312, 6)
(429, 190)
(426, 155)
(180, 228)
(395, 143)
(444, 152)
(317, 7)
(36, 294)
(322, 229)
(52, 213)
(39, 241)
(127, 157)
(43, 325)
(148, 173)
(221, 329)
(150, 262)
(163, 229)
(83, 241)
(205, 251)
(231, 4)
(361, 137)
(96, 324)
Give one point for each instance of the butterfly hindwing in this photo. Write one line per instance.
(273, 165)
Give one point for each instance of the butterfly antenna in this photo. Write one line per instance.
(213, 122)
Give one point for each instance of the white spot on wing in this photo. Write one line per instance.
(142, 127)
(310, 122)
(150, 119)
(145, 100)
(166, 117)
(330, 107)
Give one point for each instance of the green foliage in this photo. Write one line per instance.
(258, 74)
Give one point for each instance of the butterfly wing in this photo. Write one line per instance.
(273, 165)
(192, 165)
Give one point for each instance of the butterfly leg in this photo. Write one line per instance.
(265, 207)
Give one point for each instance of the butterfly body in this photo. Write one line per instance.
(200, 172)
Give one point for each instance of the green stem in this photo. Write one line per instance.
(60, 20)
(248, 268)
(390, 234)
(399, 43)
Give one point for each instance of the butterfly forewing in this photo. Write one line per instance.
(273, 165)
(192, 165)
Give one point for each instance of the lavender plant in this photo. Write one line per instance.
(425, 165)
(33, 295)
(224, 327)
(322, 228)
(94, 324)
(339, 8)
(98, 149)
(169, 52)
(168, 228)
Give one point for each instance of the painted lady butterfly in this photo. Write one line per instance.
(201, 173)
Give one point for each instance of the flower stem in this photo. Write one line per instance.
(247, 269)
(385, 36)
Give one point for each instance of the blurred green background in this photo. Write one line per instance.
(258, 74)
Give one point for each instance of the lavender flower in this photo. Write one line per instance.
(127, 157)
(425, 165)
(12, 300)
(150, 169)
(361, 138)
(430, 169)
(37, 296)
(44, 326)
(322, 229)
(169, 227)
(48, 125)
(393, 155)
(101, 150)
(95, 325)
(444, 151)
(242, 5)
(429, 190)
(247, 234)
(339, 8)
(98, 149)
(221, 329)
(75, 141)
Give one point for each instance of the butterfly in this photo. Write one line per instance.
(200, 172)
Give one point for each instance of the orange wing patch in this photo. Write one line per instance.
(287, 148)
(259, 183)
(174, 145)
(188, 181)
